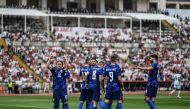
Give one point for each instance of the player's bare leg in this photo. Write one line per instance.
(172, 92)
(153, 98)
(178, 94)
(94, 104)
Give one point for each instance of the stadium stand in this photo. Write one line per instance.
(15, 24)
(36, 58)
(184, 26)
(29, 67)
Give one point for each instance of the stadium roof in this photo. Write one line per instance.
(149, 16)
(21, 12)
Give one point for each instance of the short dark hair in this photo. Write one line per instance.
(87, 59)
(93, 58)
(154, 56)
(147, 58)
(114, 57)
(60, 61)
(102, 62)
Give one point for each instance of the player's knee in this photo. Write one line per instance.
(153, 99)
(120, 101)
(65, 102)
(81, 102)
(107, 101)
(95, 103)
(146, 98)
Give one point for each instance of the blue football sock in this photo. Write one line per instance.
(80, 105)
(119, 106)
(101, 103)
(56, 106)
(66, 106)
(151, 104)
(105, 106)
(91, 105)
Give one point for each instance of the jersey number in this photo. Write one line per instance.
(94, 75)
(111, 76)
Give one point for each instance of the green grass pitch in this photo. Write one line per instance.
(131, 102)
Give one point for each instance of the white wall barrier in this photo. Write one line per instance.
(93, 44)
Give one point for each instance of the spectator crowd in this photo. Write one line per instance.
(171, 60)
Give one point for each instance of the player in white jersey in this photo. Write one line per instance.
(176, 84)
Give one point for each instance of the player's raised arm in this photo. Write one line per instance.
(154, 64)
(48, 64)
(86, 79)
(145, 68)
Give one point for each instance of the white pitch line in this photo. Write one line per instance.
(23, 106)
